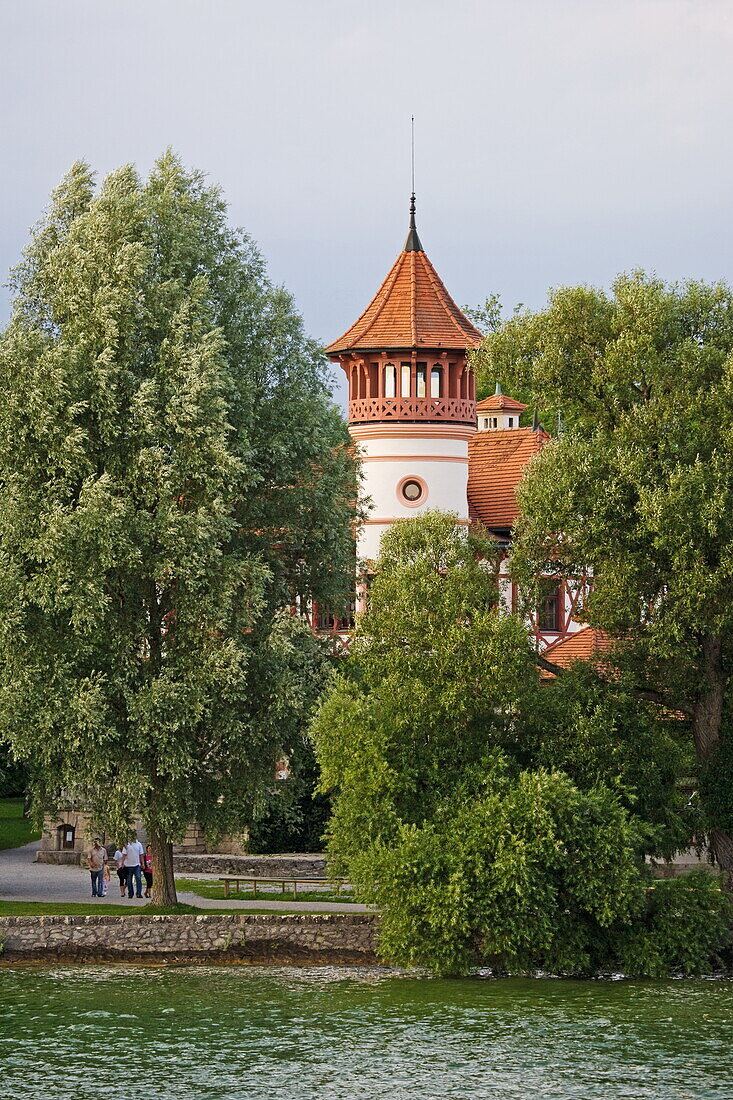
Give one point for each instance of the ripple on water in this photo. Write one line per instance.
(337, 1034)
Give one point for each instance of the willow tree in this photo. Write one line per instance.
(639, 489)
(173, 479)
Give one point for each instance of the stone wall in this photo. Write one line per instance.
(289, 866)
(326, 939)
(75, 823)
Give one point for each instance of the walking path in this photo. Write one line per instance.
(21, 879)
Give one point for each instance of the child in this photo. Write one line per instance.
(105, 880)
(148, 870)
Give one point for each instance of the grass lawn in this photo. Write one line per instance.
(215, 889)
(85, 909)
(14, 829)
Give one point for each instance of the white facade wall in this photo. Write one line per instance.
(393, 454)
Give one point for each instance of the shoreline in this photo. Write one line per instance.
(278, 939)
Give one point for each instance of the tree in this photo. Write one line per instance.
(639, 490)
(490, 819)
(174, 479)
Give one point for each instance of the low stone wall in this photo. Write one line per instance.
(186, 863)
(60, 858)
(289, 866)
(326, 939)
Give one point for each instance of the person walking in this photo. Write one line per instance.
(96, 859)
(148, 870)
(119, 858)
(134, 853)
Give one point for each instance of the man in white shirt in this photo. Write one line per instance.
(133, 855)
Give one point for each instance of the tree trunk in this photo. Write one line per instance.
(164, 884)
(707, 719)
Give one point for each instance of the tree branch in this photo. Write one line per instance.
(651, 696)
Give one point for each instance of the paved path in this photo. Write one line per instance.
(21, 879)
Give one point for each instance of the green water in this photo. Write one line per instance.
(290, 1033)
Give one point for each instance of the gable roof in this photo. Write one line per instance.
(499, 401)
(411, 309)
(496, 463)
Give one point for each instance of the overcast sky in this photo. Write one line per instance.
(558, 141)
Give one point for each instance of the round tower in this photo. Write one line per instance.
(412, 397)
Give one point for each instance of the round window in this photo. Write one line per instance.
(412, 491)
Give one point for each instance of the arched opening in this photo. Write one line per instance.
(390, 380)
(436, 382)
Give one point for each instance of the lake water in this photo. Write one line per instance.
(197, 1033)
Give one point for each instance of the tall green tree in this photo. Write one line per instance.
(174, 479)
(490, 818)
(639, 490)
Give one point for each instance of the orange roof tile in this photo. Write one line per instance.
(500, 401)
(583, 645)
(496, 462)
(411, 309)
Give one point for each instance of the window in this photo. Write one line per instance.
(325, 620)
(390, 380)
(411, 491)
(549, 609)
(422, 370)
(511, 421)
(436, 382)
(494, 422)
(486, 422)
(405, 380)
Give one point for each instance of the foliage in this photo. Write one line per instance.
(172, 474)
(492, 819)
(685, 928)
(13, 778)
(600, 733)
(429, 689)
(295, 815)
(639, 489)
(520, 875)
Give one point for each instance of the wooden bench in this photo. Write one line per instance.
(259, 880)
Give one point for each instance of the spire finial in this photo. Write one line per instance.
(412, 143)
(412, 244)
(498, 391)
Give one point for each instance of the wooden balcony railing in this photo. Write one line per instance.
(368, 409)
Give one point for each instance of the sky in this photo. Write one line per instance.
(557, 141)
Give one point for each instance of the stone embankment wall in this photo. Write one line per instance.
(326, 939)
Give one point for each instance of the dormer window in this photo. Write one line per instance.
(511, 421)
(486, 422)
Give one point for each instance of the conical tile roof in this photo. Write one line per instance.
(411, 309)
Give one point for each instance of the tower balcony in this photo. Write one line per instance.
(366, 410)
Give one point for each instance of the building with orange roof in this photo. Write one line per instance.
(412, 396)
(423, 439)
